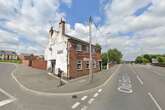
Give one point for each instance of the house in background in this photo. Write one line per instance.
(8, 55)
(70, 54)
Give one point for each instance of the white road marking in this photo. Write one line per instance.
(62, 94)
(75, 105)
(7, 101)
(141, 82)
(125, 90)
(154, 100)
(84, 97)
(4, 92)
(91, 100)
(4, 102)
(84, 108)
(99, 90)
(125, 84)
(95, 95)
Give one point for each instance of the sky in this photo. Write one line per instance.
(134, 27)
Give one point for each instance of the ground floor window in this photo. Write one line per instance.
(79, 65)
(87, 64)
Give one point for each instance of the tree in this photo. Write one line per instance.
(104, 59)
(114, 55)
(161, 59)
(148, 57)
(145, 61)
(98, 46)
(139, 59)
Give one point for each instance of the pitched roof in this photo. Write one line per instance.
(7, 52)
(79, 40)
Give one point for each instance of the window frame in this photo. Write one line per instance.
(80, 48)
(86, 65)
(79, 63)
(86, 48)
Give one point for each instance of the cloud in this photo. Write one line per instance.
(26, 22)
(148, 28)
(30, 20)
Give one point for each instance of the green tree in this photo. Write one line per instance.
(98, 45)
(104, 59)
(139, 59)
(114, 55)
(161, 59)
(148, 57)
(145, 61)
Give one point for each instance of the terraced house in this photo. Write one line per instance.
(8, 55)
(70, 54)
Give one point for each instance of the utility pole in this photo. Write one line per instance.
(107, 60)
(90, 51)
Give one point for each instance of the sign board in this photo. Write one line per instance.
(59, 51)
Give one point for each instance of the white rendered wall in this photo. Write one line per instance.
(57, 43)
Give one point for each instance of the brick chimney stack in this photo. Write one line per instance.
(62, 26)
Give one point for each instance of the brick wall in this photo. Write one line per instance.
(25, 62)
(39, 64)
(75, 55)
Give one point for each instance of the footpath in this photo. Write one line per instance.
(41, 81)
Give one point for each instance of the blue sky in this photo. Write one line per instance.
(129, 25)
(141, 10)
(80, 11)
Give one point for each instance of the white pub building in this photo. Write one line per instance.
(70, 54)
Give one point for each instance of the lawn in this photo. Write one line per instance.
(11, 61)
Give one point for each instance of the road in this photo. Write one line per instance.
(131, 87)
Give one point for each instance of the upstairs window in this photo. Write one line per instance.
(87, 48)
(78, 47)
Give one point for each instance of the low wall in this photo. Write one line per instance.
(39, 64)
(25, 62)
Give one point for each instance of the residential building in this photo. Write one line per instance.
(70, 54)
(8, 55)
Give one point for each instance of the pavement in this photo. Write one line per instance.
(146, 83)
(41, 82)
